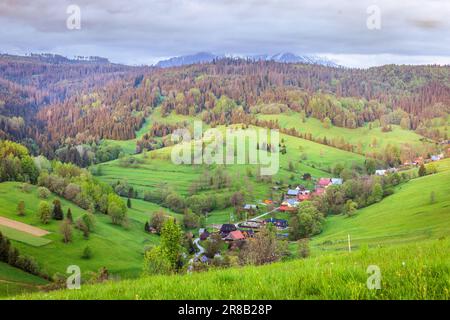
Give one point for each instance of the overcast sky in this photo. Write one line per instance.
(145, 31)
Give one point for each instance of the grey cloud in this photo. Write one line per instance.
(139, 31)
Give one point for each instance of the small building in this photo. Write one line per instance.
(380, 172)
(337, 181)
(248, 233)
(304, 195)
(291, 202)
(250, 207)
(319, 191)
(226, 228)
(418, 161)
(324, 182)
(436, 157)
(235, 236)
(292, 192)
(250, 224)
(204, 235)
(286, 208)
(279, 223)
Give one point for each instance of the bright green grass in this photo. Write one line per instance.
(405, 216)
(118, 249)
(157, 168)
(441, 165)
(414, 271)
(23, 237)
(142, 210)
(363, 135)
(14, 281)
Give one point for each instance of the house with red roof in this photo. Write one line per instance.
(235, 235)
(304, 195)
(324, 182)
(319, 191)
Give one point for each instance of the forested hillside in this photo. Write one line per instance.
(53, 104)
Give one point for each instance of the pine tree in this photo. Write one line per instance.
(129, 203)
(69, 215)
(44, 212)
(66, 231)
(57, 213)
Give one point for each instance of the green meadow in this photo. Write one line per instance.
(156, 167)
(363, 136)
(118, 249)
(14, 281)
(411, 214)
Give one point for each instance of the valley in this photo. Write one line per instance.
(87, 179)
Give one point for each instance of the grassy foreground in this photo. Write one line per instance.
(414, 271)
(14, 281)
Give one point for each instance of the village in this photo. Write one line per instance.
(277, 213)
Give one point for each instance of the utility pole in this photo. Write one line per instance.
(349, 244)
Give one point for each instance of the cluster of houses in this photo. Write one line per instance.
(230, 232)
(420, 160)
(293, 197)
(416, 162)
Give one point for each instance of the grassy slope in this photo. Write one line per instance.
(23, 237)
(129, 146)
(158, 168)
(14, 281)
(362, 135)
(405, 216)
(416, 271)
(118, 249)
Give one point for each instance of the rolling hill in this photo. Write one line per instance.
(55, 256)
(409, 215)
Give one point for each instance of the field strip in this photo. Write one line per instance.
(23, 227)
(20, 236)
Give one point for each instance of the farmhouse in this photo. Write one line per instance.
(226, 228)
(437, 157)
(336, 181)
(319, 191)
(292, 202)
(204, 235)
(235, 236)
(250, 224)
(304, 195)
(279, 223)
(324, 182)
(250, 207)
(380, 172)
(286, 208)
(292, 193)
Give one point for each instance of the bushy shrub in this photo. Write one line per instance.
(43, 192)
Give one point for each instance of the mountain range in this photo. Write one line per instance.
(283, 57)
